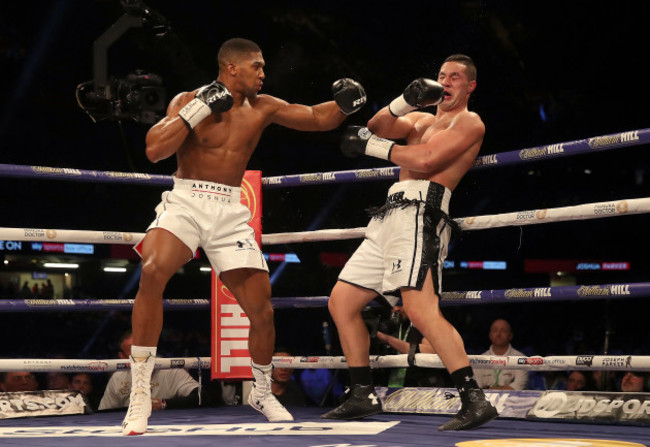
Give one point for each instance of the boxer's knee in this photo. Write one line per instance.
(337, 306)
(347, 301)
(261, 316)
(154, 275)
(424, 315)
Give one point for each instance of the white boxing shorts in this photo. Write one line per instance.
(211, 216)
(407, 237)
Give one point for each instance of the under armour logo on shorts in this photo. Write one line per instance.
(397, 266)
(245, 244)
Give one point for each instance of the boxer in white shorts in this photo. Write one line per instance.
(406, 243)
(211, 216)
(212, 132)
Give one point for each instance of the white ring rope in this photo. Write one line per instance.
(533, 363)
(568, 213)
(540, 216)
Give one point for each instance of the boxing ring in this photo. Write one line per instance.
(240, 426)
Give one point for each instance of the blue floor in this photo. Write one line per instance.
(242, 426)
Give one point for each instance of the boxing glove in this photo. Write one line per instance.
(359, 140)
(418, 94)
(349, 95)
(209, 99)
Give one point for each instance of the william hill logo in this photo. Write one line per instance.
(614, 140)
(518, 293)
(593, 291)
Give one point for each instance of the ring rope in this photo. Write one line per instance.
(532, 363)
(556, 293)
(568, 148)
(106, 304)
(585, 211)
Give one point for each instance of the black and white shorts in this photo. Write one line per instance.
(407, 237)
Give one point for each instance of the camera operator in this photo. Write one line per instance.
(399, 335)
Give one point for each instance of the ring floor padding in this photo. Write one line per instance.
(241, 426)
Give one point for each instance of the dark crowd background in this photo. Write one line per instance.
(548, 72)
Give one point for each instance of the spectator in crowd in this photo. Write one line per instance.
(604, 380)
(286, 390)
(501, 379)
(83, 382)
(57, 381)
(580, 381)
(47, 290)
(18, 381)
(170, 388)
(25, 292)
(635, 381)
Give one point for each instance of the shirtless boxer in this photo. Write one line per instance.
(213, 131)
(406, 240)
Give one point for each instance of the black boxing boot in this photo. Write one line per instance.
(472, 414)
(476, 410)
(362, 402)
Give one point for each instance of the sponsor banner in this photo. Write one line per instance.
(592, 406)
(484, 160)
(614, 140)
(92, 366)
(46, 247)
(574, 265)
(42, 403)
(81, 365)
(230, 325)
(127, 175)
(192, 302)
(56, 171)
(82, 174)
(37, 302)
(557, 293)
(317, 178)
(264, 429)
(512, 404)
(93, 304)
(542, 152)
(469, 295)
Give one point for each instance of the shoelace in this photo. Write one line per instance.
(266, 395)
(139, 381)
(138, 396)
(137, 407)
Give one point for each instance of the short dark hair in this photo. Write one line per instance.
(126, 334)
(280, 348)
(234, 47)
(466, 61)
